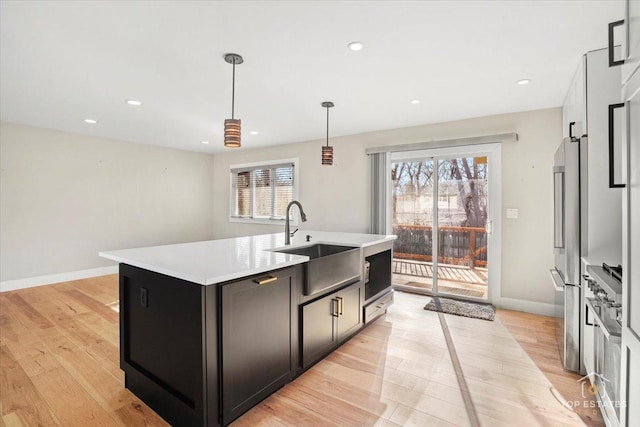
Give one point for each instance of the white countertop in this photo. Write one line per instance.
(216, 261)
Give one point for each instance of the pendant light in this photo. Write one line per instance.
(327, 151)
(232, 125)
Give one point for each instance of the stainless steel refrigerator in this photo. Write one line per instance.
(567, 238)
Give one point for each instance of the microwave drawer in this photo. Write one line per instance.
(378, 307)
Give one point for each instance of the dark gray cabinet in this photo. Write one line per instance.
(203, 355)
(162, 325)
(328, 321)
(349, 317)
(259, 320)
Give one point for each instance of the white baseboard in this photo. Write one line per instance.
(29, 282)
(542, 308)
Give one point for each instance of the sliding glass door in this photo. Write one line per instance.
(413, 186)
(440, 213)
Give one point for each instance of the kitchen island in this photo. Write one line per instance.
(209, 329)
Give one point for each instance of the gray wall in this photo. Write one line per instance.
(337, 197)
(64, 197)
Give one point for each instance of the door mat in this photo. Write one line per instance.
(461, 308)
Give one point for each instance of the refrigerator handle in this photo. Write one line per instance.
(557, 281)
(612, 61)
(612, 184)
(573, 138)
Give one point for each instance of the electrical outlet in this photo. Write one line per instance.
(512, 213)
(144, 300)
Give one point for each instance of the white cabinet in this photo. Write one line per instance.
(574, 111)
(600, 203)
(630, 347)
(631, 40)
(630, 387)
(588, 355)
(594, 88)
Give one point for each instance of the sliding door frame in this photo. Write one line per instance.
(494, 207)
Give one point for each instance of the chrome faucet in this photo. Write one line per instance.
(287, 230)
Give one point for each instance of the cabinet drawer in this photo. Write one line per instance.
(378, 307)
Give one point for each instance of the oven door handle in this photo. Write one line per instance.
(597, 320)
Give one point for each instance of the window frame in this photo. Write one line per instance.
(265, 165)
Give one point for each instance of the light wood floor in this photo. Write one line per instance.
(59, 365)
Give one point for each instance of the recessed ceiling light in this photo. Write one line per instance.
(90, 121)
(355, 46)
(205, 142)
(134, 102)
(524, 82)
(415, 101)
(254, 132)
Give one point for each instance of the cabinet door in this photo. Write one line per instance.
(589, 342)
(632, 40)
(349, 311)
(318, 328)
(574, 108)
(256, 339)
(631, 254)
(161, 343)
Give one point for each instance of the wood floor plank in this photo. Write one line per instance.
(343, 413)
(369, 400)
(21, 401)
(134, 413)
(291, 413)
(34, 357)
(104, 387)
(409, 417)
(94, 305)
(96, 288)
(74, 407)
(27, 312)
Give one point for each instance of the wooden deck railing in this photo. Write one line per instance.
(456, 245)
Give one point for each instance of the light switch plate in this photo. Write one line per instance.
(512, 213)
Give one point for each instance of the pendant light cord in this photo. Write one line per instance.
(327, 126)
(233, 89)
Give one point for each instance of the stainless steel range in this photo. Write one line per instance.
(604, 310)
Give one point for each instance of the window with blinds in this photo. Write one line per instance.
(261, 192)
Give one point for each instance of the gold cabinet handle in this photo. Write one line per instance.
(265, 280)
(334, 307)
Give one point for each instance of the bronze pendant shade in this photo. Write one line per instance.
(327, 155)
(232, 133)
(327, 151)
(232, 128)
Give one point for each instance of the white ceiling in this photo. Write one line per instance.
(62, 62)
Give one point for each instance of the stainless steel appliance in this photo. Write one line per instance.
(567, 238)
(604, 310)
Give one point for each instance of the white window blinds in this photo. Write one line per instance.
(262, 192)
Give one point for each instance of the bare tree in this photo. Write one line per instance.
(470, 178)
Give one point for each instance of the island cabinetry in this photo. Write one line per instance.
(259, 339)
(330, 320)
(162, 325)
(203, 355)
